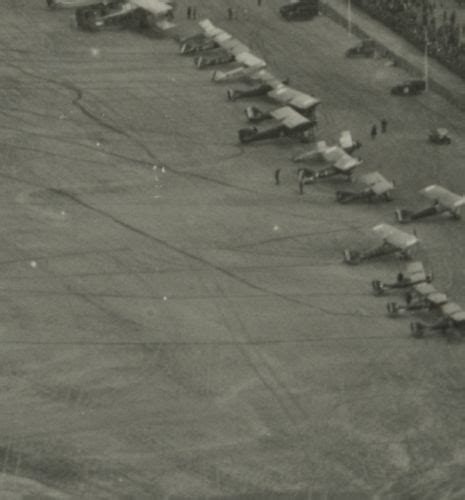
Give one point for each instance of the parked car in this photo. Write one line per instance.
(410, 87)
(301, 10)
(440, 136)
(366, 48)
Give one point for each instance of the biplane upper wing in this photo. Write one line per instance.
(415, 271)
(265, 77)
(250, 60)
(292, 97)
(209, 28)
(395, 237)
(289, 117)
(453, 311)
(340, 159)
(443, 196)
(232, 45)
(376, 182)
(156, 7)
(429, 292)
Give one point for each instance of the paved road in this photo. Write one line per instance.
(441, 77)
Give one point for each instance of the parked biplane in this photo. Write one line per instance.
(393, 241)
(266, 83)
(291, 124)
(305, 104)
(226, 49)
(443, 201)
(340, 161)
(377, 187)
(414, 274)
(422, 297)
(136, 14)
(451, 323)
(74, 4)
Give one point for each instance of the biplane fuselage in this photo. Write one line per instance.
(123, 14)
(413, 275)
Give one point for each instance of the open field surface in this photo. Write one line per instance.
(174, 325)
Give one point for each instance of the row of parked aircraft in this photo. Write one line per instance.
(296, 118)
(422, 297)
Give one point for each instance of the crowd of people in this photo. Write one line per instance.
(431, 22)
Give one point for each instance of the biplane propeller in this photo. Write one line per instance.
(444, 201)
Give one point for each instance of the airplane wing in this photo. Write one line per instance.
(340, 159)
(209, 28)
(266, 77)
(415, 271)
(430, 293)
(294, 98)
(156, 7)
(289, 117)
(453, 311)
(395, 237)
(443, 196)
(249, 60)
(376, 182)
(232, 45)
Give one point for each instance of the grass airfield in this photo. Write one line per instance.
(176, 326)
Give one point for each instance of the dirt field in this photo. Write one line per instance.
(176, 326)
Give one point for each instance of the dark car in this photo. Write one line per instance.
(411, 87)
(439, 136)
(366, 48)
(300, 11)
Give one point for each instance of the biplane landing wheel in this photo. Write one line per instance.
(417, 330)
(387, 196)
(377, 287)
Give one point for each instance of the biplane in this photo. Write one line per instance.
(423, 296)
(228, 49)
(305, 104)
(196, 43)
(74, 4)
(290, 124)
(451, 323)
(266, 80)
(444, 201)
(250, 64)
(340, 161)
(377, 187)
(393, 241)
(414, 274)
(137, 14)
